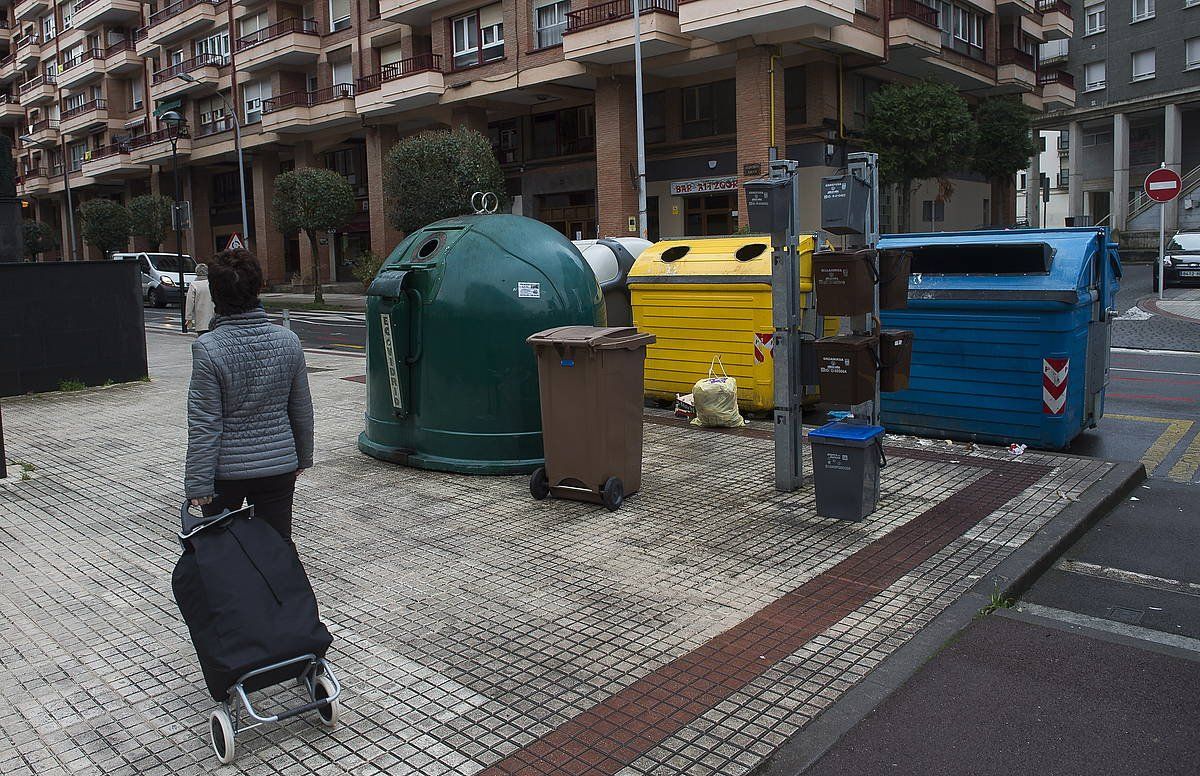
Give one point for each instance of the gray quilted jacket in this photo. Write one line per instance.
(250, 413)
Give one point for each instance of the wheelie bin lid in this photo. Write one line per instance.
(846, 432)
(594, 337)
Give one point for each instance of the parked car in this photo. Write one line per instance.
(160, 276)
(1181, 261)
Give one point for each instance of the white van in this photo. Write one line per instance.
(160, 276)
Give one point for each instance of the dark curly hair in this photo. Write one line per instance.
(234, 279)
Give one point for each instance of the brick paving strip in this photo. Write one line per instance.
(615, 733)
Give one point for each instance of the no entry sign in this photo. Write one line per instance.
(1163, 185)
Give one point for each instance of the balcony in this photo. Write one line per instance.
(30, 10)
(10, 109)
(204, 69)
(8, 68)
(155, 147)
(1016, 71)
(721, 20)
(211, 128)
(141, 42)
(110, 160)
(1058, 91)
(181, 20)
(913, 29)
(416, 13)
(82, 118)
(34, 181)
(90, 13)
(1011, 8)
(399, 86)
(82, 68)
(285, 43)
(310, 111)
(1057, 23)
(122, 58)
(38, 90)
(29, 50)
(41, 133)
(603, 34)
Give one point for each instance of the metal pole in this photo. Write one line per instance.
(237, 139)
(643, 230)
(178, 231)
(70, 204)
(1162, 229)
(3, 460)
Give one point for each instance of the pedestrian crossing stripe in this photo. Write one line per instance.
(1175, 432)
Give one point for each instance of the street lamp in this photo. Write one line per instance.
(174, 122)
(237, 142)
(46, 145)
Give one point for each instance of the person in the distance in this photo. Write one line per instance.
(198, 311)
(250, 413)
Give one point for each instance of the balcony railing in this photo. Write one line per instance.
(911, 9)
(421, 63)
(1050, 6)
(150, 138)
(21, 41)
(45, 79)
(140, 34)
(36, 172)
(615, 11)
(278, 30)
(81, 4)
(87, 107)
(206, 128)
(9, 99)
(118, 47)
(172, 11)
(44, 124)
(1013, 56)
(188, 65)
(1057, 77)
(106, 151)
(8, 60)
(308, 99)
(85, 56)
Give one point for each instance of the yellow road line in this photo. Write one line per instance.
(1185, 468)
(1171, 436)
(344, 345)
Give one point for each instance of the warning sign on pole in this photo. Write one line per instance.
(235, 243)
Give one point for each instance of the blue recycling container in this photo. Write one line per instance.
(1011, 334)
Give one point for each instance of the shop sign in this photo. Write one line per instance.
(704, 186)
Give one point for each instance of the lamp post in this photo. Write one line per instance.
(45, 145)
(174, 121)
(237, 143)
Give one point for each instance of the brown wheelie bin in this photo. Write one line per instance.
(590, 379)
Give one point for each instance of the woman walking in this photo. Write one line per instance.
(199, 309)
(250, 414)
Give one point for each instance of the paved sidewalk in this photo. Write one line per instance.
(478, 631)
(333, 301)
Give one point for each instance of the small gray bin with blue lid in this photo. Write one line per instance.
(847, 458)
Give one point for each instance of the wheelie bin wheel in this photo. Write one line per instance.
(330, 712)
(220, 729)
(613, 494)
(539, 484)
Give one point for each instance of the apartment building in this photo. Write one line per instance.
(1136, 66)
(336, 83)
(1045, 202)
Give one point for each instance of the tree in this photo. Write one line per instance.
(150, 218)
(1004, 148)
(105, 225)
(10, 207)
(312, 200)
(920, 131)
(39, 238)
(432, 175)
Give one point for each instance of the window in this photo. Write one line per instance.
(506, 141)
(136, 93)
(1064, 177)
(77, 151)
(214, 45)
(343, 72)
(1092, 139)
(478, 37)
(253, 93)
(252, 24)
(569, 131)
(550, 19)
(74, 101)
(795, 95)
(1191, 52)
(339, 15)
(47, 28)
(68, 13)
(709, 109)
(1143, 65)
(1143, 9)
(1042, 142)
(175, 57)
(1094, 18)
(1093, 76)
(962, 29)
(654, 111)
(211, 109)
(1020, 183)
(933, 210)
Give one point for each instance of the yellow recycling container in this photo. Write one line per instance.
(711, 296)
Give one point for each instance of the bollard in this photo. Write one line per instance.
(287, 320)
(3, 460)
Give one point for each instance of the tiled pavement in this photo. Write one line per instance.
(477, 631)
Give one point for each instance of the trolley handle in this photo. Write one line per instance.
(190, 525)
(879, 449)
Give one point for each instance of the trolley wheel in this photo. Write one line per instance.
(613, 494)
(323, 688)
(220, 730)
(159, 297)
(539, 484)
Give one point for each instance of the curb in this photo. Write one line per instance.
(1013, 576)
(1150, 305)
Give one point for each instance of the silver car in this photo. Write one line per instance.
(160, 276)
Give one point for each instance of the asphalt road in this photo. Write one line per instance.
(344, 332)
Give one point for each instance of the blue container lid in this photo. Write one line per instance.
(853, 432)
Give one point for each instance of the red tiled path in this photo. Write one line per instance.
(615, 733)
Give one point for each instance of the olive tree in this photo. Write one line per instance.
(312, 200)
(921, 131)
(432, 175)
(150, 218)
(1004, 148)
(105, 225)
(39, 238)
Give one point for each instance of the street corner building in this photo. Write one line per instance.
(335, 83)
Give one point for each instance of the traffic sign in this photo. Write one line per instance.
(1163, 185)
(235, 243)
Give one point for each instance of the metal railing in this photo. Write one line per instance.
(1014, 56)
(1056, 77)
(35, 172)
(188, 65)
(82, 57)
(118, 47)
(140, 33)
(615, 11)
(9, 99)
(87, 107)
(45, 79)
(171, 11)
(1049, 6)
(308, 99)
(421, 63)
(911, 9)
(44, 124)
(207, 128)
(81, 4)
(21, 41)
(141, 141)
(278, 30)
(104, 152)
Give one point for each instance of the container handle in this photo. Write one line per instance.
(868, 255)
(716, 361)
(415, 325)
(879, 449)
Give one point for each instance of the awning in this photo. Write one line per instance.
(134, 122)
(162, 106)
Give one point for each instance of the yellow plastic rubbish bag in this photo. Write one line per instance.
(716, 399)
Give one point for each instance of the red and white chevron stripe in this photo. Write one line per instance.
(1054, 385)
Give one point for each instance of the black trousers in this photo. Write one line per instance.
(271, 497)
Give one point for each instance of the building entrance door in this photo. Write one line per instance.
(1098, 206)
(710, 215)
